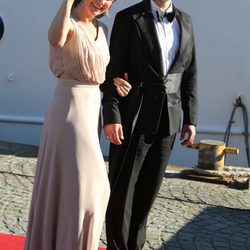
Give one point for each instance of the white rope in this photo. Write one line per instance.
(228, 171)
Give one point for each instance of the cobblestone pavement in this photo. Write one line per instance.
(187, 215)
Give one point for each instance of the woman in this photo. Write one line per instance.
(71, 188)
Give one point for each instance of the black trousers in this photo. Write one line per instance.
(136, 188)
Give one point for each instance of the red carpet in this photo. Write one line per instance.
(13, 242)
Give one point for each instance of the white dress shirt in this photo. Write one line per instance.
(168, 36)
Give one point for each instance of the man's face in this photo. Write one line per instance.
(161, 1)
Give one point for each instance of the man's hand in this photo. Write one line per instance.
(114, 133)
(189, 132)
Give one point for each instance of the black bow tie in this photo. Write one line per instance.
(169, 15)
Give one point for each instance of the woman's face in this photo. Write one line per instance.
(97, 7)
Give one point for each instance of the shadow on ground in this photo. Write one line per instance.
(215, 228)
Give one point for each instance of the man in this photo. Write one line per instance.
(158, 53)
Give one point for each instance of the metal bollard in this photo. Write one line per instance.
(212, 154)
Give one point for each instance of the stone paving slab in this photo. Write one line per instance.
(187, 215)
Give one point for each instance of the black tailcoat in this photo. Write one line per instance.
(134, 48)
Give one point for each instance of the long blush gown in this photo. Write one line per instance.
(71, 188)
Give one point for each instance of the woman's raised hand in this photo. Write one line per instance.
(122, 85)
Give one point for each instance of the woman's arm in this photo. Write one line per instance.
(61, 27)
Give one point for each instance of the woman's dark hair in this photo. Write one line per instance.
(76, 2)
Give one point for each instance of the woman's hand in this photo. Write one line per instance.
(122, 85)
